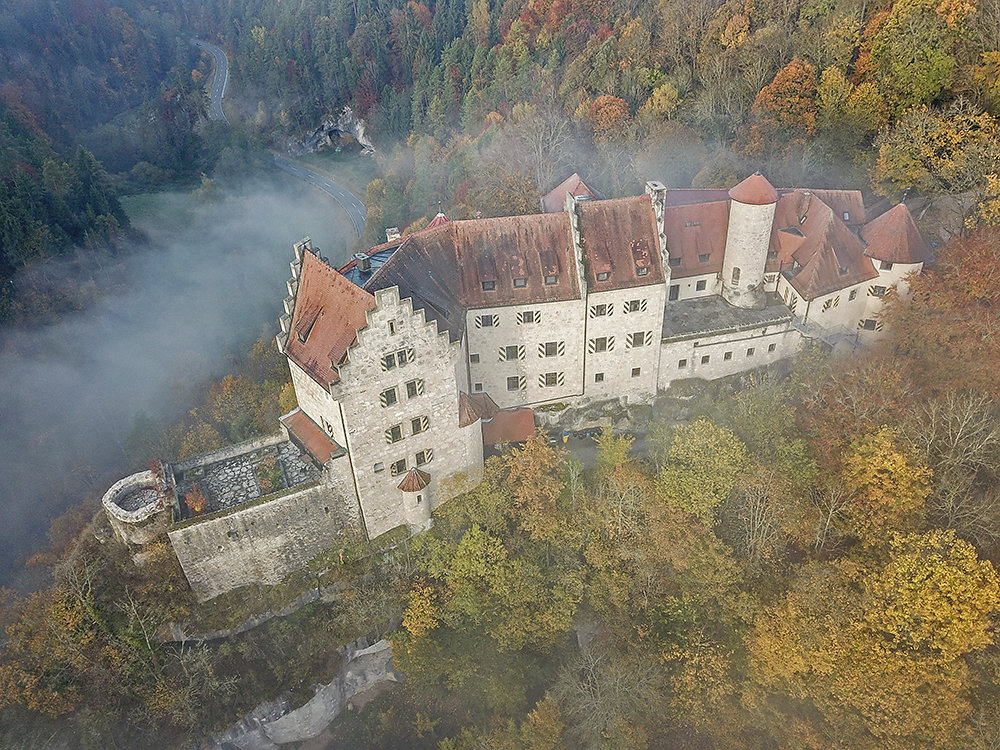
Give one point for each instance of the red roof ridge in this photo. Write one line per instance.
(415, 480)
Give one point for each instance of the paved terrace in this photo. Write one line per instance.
(228, 478)
(713, 315)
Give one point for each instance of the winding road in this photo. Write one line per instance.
(219, 81)
(355, 208)
(348, 201)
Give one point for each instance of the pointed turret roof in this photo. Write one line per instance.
(414, 481)
(894, 238)
(755, 190)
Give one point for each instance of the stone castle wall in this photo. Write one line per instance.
(258, 542)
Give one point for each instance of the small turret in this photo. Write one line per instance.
(751, 216)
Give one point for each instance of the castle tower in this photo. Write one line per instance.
(751, 216)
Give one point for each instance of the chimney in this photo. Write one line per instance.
(363, 263)
(391, 233)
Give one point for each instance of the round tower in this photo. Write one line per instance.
(751, 215)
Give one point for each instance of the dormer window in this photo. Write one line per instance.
(603, 276)
(642, 271)
(551, 279)
(843, 271)
(520, 283)
(847, 216)
(674, 262)
(703, 258)
(489, 286)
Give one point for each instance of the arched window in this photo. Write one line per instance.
(736, 276)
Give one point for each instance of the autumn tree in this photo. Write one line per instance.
(784, 113)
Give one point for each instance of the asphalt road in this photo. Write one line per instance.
(355, 208)
(219, 81)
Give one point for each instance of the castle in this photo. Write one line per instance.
(413, 355)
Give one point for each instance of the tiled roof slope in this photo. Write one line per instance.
(619, 238)
(305, 432)
(328, 312)
(816, 250)
(894, 237)
(553, 201)
(444, 269)
(693, 232)
(849, 202)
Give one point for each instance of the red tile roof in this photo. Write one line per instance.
(849, 202)
(755, 190)
(817, 252)
(619, 239)
(475, 407)
(695, 231)
(509, 426)
(305, 433)
(414, 481)
(553, 201)
(688, 196)
(328, 312)
(439, 220)
(894, 237)
(443, 269)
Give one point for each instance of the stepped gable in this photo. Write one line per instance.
(817, 251)
(755, 190)
(894, 238)
(693, 232)
(619, 239)
(328, 312)
(554, 200)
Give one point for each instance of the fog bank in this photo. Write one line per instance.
(211, 275)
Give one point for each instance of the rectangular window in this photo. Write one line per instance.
(700, 286)
(487, 321)
(398, 359)
(885, 266)
(598, 377)
(703, 258)
(520, 283)
(516, 383)
(394, 434)
(636, 372)
(853, 295)
(378, 467)
(474, 359)
(603, 276)
(527, 316)
(681, 363)
(704, 359)
(635, 305)
(642, 271)
(414, 388)
(489, 286)
(771, 347)
(868, 324)
(552, 349)
(511, 353)
(551, 279)
(599, 344)
(424, 457)
(398, 467)
(675, 290)
(727, 356)
(877, 291)
(599, 311)
(750, 351)
(392, 327)
(478, 387)
(638, 339)
(388, 397)
(674, 262)
(388, 361)
(551, 379)
(418, 425)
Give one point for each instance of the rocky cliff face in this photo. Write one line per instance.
(330, 132)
